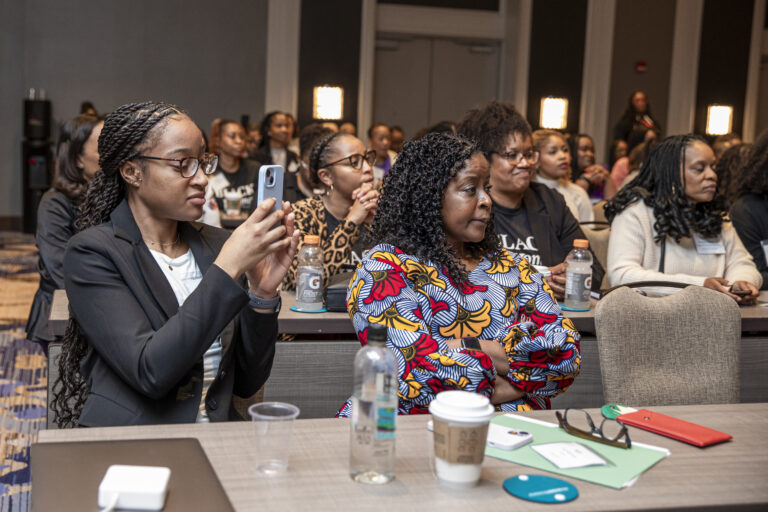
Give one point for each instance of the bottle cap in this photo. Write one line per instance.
(311, 239)
(377, 333)
(580, 242)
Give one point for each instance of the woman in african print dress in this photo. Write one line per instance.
(438, 274)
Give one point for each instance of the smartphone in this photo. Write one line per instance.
(270, 184)
(506, 438)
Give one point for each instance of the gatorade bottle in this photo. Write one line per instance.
(309, 275)
(578, 277)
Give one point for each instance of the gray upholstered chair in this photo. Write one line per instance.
(598, 241)
(679, 349)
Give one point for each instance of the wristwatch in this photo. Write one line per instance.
(471, 343)
(257, 302)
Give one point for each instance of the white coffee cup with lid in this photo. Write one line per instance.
(460, 429)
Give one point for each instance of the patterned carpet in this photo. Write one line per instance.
(23, 370)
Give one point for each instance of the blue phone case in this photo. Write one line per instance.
(270, 184)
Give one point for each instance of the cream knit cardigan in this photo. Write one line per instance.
(634, 256)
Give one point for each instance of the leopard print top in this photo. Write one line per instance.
(310, 220)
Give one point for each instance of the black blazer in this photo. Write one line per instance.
(144, 360)
(555, 228)
(55, 226)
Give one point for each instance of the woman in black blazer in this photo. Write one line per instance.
(145, 345)
(77, 160)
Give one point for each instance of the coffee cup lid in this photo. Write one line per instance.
(462, 406)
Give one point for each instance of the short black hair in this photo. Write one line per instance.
(373, 127)
(489, 126)
(310, 134)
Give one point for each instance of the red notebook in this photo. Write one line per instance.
(674, 428)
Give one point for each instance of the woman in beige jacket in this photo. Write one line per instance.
(669, 226)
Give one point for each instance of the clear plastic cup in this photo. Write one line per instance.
(273, 424)
(232, 203)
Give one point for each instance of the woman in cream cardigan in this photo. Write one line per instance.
(667, 225)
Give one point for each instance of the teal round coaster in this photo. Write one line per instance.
(293, 308)
(541, 489)
(572, 309)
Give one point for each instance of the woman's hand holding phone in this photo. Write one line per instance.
(262, 247)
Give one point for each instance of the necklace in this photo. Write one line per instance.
(165, 244)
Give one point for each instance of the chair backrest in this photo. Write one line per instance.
(54, 350)
(674, 350)
(315, 376)
(598, 241)
(597, 209)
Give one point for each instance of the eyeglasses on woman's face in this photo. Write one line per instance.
(355, 161)
(188, 166)
(515, 158)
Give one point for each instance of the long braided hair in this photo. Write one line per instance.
(126, 130)
(659, 185)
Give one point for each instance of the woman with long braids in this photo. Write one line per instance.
(340, 164)
(461, 311)
(77, 160)
(276, 134)
(668, 225)
(165, 326)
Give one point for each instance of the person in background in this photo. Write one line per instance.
(438, 275)
(531, 219)
(252, 140)
(276, 132)
(340, 164)
(234, 173)
(593, 178)
(77, 160)
(723, 142)
(295, 130)
(171, 321)
(554, 168)
(627, 168)
(618, 150)
(749, 212)
(309, 135)
(730, 167)
(397, 138)
(636, 121)
(348, 128)
(669, 225)
(87, 107)
(213, 139)
(379, 139)
(334, 127)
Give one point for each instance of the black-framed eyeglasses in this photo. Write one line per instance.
(515, 158)
(188, 166)
(579, 423)
(356, 160)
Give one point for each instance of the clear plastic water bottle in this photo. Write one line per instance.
(374, 411)
(578, 277)
(309, 275)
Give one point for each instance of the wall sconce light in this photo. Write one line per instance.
(719, 119)
(328, 103)
(554, 113)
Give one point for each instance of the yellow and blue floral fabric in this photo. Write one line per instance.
(505, 300)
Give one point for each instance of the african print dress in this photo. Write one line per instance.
(507, 301)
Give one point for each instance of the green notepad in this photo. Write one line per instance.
(625, 464)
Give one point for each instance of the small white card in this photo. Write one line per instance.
(704, 246)
(569, 455)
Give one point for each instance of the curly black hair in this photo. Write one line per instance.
(754, 174)
(659, 185)
(489, 126)
(730, 169)
(414, 190)
(126, 132)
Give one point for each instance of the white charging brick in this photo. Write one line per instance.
(138, 487)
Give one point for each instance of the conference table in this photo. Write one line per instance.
(728, 476)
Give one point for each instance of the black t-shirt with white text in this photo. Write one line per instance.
(514, 230)
(244, 180)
